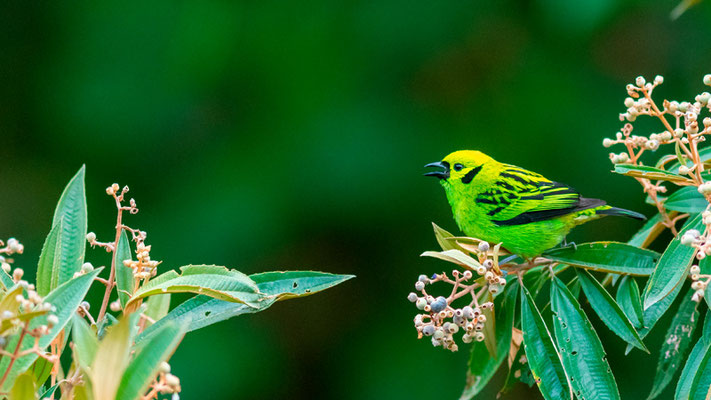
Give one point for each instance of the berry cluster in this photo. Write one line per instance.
(441, 320)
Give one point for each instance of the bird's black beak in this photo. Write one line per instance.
(443, 174)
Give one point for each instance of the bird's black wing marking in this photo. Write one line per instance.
(535, 216)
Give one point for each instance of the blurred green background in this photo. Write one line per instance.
(269, 135)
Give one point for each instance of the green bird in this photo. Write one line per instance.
(502, 203)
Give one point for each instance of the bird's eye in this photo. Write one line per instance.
(458, 167)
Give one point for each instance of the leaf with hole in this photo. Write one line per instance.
(543, 357)
(583, 357)
(202, 311)
(695, 378)
(676, 344)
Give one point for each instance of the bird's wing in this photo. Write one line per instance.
(521, 197)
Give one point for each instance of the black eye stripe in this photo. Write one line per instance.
(471, 174)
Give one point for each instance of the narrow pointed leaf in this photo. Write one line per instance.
(455, 257)
(696, 375)
(211, 280)
(687, 199)
(441, 235)
(202, 311)
(41, 369)
(124, 274)
(144, 367)
(654, 313)
(47, 274)
(111, 360)
(71, 211)
(543, 357)
(66, 299)
(481, 365)
(676, 344)
(608, 310)
(85, 342)
(583, 357)
(630, 300)
(620, 258)
(642, 171)
(672, 268)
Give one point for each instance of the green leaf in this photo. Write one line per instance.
(85, 342)
(284, 285)
(607, 309)
(676, 343)
(66, 299)
(441, 235)
(124, 274)
(41, 369)
(580, 348)
(157, 307)
(24, 388)
(704, 155)
(672, 267)
(201, 311)
(642, 171)
(6, 280)
(619, 258)
(144, 366)
(211, 280)
(481, 365)
(687, 199)
(654, 313)
(111, 360)
(47, 274)
(696, 376)
(542, 354)
(71, 211)
(49, 392)
(640, 239)
(454, 256)
(629, 299)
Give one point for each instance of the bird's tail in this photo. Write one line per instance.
(608, 210)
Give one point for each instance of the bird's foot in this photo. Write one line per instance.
(571, 244)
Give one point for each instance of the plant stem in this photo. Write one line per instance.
(112, 275)
(15, 354)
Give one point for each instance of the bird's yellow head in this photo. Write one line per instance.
(459, 167)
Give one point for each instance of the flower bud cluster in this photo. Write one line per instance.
(441, 320)
(699, 282)
(143, 267)
(166, 383)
